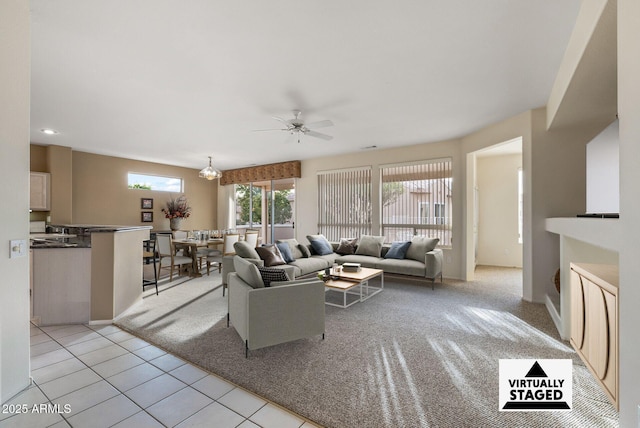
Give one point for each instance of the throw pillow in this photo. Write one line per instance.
(285, 251)
(347, 246)
(305, 251)
(293, 247)
(421, 245)
(398, 250)
(272, 274)
(320, 245)
(370, 245)
(271, 255)
(245, 250)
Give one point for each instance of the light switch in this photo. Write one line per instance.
(18, 248)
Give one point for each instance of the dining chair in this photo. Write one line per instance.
(251, 237)
(215, 256)
(227, 250)
(166, 251)
(179, 234)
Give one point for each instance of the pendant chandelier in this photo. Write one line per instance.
(209, 172)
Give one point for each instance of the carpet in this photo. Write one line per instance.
(410, 356)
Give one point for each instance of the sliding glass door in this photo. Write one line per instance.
(268, 206)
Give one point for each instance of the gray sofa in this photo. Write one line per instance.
(266, 316)
(427, 264)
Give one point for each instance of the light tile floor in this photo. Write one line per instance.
(101, 376)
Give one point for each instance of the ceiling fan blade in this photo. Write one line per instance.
(272, 129)
(286, 122)
(319, 124)
(319, 135)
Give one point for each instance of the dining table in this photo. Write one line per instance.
(190, 249)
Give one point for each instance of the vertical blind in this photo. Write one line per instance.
(344, 203)
(416, 200)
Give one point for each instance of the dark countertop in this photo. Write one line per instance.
(83, 229)
(79, 235)
(58, 242)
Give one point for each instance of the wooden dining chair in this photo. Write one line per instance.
(215, 256)
(166, 251)
(251, 237)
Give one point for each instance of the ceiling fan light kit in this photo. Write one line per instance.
(210, 173)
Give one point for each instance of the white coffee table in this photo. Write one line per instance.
(348, 281)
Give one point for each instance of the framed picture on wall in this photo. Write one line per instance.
(147, 216)
(146, 203)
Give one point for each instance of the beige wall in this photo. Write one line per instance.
(14, 190)
(629, 113)
(101, 196)
(59, 163)
(497, 181)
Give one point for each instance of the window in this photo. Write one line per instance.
(155, 182)
(408, 193)
(344, 203)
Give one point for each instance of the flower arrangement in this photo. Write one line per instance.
(177, 208)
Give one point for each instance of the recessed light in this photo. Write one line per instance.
(369, 147)
(49, 131)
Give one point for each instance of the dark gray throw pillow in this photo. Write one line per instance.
(320, 245)
(305, 251)
(271, 255)
(272, 274)
(398, 250)
(347, 246)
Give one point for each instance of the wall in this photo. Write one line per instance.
(629, 113)
(14, 187)
(497, 179)
(59, 164)
(603, 172)
(306, 189)
(101, 195)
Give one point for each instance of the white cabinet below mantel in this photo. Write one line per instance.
(40, 191)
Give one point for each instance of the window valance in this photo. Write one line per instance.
(274, 171)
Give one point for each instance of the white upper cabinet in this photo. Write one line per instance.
(40, 190)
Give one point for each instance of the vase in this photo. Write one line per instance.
(174, 223)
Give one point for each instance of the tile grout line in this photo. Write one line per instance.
(98, 374)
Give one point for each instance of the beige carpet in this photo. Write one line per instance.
(410, 356)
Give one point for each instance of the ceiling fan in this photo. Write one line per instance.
(296, 126)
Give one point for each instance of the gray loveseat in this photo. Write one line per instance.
(284, 311)
(422, 260)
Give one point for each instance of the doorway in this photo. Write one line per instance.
(496, 206)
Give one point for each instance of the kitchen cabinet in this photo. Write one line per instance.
(61, 285)
(40, 191)
(594, 322)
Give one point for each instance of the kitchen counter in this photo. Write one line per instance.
(89, 273)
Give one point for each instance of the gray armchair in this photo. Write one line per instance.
(266, 316)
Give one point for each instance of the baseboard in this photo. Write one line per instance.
(555, 316)
(100, 322)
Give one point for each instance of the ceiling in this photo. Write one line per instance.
(175, 82)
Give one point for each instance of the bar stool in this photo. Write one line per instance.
(149, 252)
